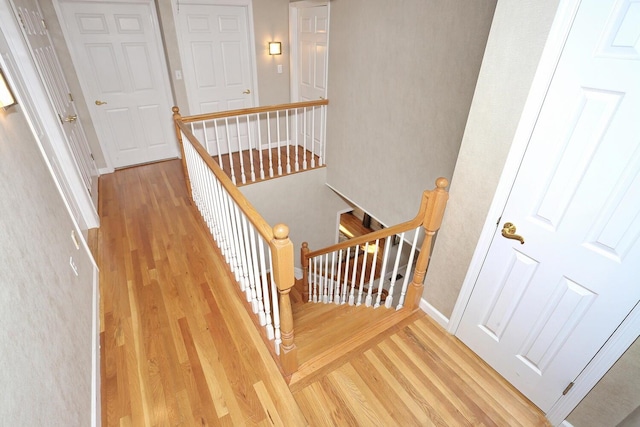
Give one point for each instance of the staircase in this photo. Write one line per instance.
(350, 292)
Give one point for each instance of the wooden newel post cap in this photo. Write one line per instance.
(442, 183)
(305, 245)
(280, 231)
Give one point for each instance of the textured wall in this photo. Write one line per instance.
(615, 397)
(45, 338)
(401, 80)
(304, 203)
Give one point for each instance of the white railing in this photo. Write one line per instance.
(385, 267)
(260, 257)
(264, 142)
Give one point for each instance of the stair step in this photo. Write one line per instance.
(325, 333)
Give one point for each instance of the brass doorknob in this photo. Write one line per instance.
(247, 92)
(70, 119)
(509, 231)
(100, 102)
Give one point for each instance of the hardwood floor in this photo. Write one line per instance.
(178, 346)
(302, 156)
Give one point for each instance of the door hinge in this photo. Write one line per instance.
(498, 221)
(566, 390)
(61, 120)
(91, 154)
(22, 21)
(44, 25)
(70, 97)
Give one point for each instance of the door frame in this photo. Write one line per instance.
(251, 34)
(37, 108)
(626, 333)
(159, 46)
(294, 11)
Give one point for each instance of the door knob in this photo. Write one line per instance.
(70, 119)
(100, 102)
(247, 92)
(509, 231)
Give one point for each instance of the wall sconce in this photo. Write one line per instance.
(275, 48)
(7, 99)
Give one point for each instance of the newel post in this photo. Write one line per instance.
(305, 271)
(283, 274)
(176, 118)
(437, 201)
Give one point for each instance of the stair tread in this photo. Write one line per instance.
(319, 326)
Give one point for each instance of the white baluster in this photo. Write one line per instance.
(323, 136)
(215, 129)
(288, 142)
(409, 264)
(269, 142)
(247, 266)
(243, 177)
(230, 152)
(315, 280)
(325, 287)
(345, 285)
(276, 307)
(242, 260)
(256, 274)
(265, 290)
(372, 274)
(304, 138)
(250, 142)
(385, 256)
(260, 145)
(313, 137)
(363, 272)
(278, 141)
(389, 302)
(353, 277)
(310, 280)
(297, 144)
(339, 276)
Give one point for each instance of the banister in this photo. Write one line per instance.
(379, 234)
(252, 214)
(254, 110)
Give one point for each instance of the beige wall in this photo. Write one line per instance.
(514, 47)
(304, 203)
(45, 338)
(401, 80)
(615, 396)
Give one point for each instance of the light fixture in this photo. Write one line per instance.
(6, 95)
(275, 48)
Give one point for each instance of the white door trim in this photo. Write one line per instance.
(626, 334)
(35, 102)
(293, 42)
(252, 37)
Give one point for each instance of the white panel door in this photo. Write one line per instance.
(117, 52)
(216, 55)
(43, 53)
(312, 66)
(541, 310)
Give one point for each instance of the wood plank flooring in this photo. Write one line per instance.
(178, 346)
(251, 163)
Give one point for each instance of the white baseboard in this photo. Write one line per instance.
(297, 272)
(104, 171)
(440, 318)
(566, 423)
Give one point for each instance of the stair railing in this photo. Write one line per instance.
(378, 265)
(254, 144)
(259, 256)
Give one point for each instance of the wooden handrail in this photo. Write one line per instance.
(379, 234)
(254, 110)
